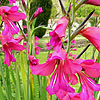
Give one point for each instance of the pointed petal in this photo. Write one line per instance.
(91, 83)
(16, 16)
(44, 69)
(84, 93)
(73, 79)
(71, 67)
(8, 56)
(59, 83)
(93, 2)
(13, 9)
(91, 68)
(59, 55)
(61, 26)
(13, 44)
(92, 34)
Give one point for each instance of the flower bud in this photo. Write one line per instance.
(93, 2)
(38, 11)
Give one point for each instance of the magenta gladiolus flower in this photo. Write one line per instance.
(44, 69)
(48, 46)
(24, 26)
(93, 2)
(71, 46)
(23, 2)
(12, 1)
(71, 66)
(90, 67)
(66, 41)
(37, 50)
(73, 41)
(88, 86)
(59, 82)
(58, 33)
(92, 34)
(48, 67)
(33, 61)
(9, 44)
(36, 47)
(38, 11)
(10, 15)
(74, 49)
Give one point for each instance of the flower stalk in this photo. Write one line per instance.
(28, 46)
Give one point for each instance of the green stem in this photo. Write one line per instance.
(73, 12)
(28, 45)
(70, 25)
(35, 78)
(79, 4)
(8, 83)
(69, 33)
(33, 39)
(36, 86)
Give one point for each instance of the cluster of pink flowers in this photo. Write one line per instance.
(10, 15)
(12, 1)
(67, 70)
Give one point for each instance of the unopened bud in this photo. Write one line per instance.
(93, 2)
(38, 11)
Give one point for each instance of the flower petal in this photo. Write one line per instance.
(92, 34)
(44, 69)
(71, 67)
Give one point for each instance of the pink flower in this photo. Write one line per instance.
(10, 15)
(36, 47)
(92, 34)
(20, 38)
(71, 67)
(59, 82)
(44, 69)
(38, 11)
(9, 44)
(73, 41)
(23, 2)
(88, 86)
(74, 49)
(10, 28)
(37, 50)
(24, 26)
(33, 61)
(66, 41)
(90, 67)
(48, 67)
(48, 46)
(93, 2)
(12, 1)
(56, 42)
(71, 46)
(58, 33)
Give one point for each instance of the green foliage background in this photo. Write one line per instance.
(43, 18)
(3, 2)
(86, 9)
